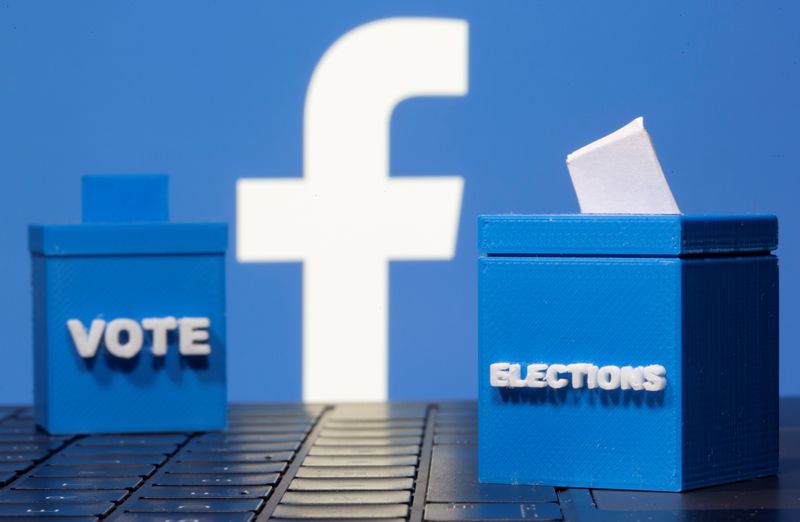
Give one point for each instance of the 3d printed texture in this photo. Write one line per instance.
(126, 263)
(695, 294)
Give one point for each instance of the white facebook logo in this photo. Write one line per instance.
(347, 218)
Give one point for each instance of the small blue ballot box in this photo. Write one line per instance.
(129, 315)
(631, 352)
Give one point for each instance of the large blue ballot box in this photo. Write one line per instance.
(630, 351)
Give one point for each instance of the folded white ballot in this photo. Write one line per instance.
(620, 174)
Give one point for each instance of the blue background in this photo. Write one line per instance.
(209, 92)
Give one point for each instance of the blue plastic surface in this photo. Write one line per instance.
(668, 235)
(132, 270)
(125, 198)
(578, 297)
(128, 238)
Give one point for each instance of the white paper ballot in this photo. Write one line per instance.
(620, 174)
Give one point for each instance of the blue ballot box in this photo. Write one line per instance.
(129, 315)
(633, 352)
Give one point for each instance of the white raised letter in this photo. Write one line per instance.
(86, 344)
(631, 377)
(552, 376)
(578, 371)
(591, 377)
(159, 326)
(192, 331)
(498, 375)
(515, 379)
(656, 377)
(130, 347)
(608, 377)
(536, 375)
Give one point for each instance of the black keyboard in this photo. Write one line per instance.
(394, 461)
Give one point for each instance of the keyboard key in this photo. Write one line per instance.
(192, 456)
(391, 460)
(276, 410)
(21, 457)
(239, 447)
(465, 414)
(357, 472)
(178, 517)
(456, 438)
(457, 414)
(377, 441)
(239, 505)
(375, 424)
(123, 470)
(492, 512)
(13, 467)
(24, 429)
(446, 420)
(250, 438)
(77, 483)
(270, 428)
(454, 478)
(341, 511)
(20, 438)
(15, 422)
(104, 460)
(355, 497)
(249, 420)
(456, 428)
(29, 447)
(7, 477)
(371, 433)
(383, 411)
(117, 451)
(143, 440)
(204, 492)
(212, 467)
(135, 449)
(60, 510)
(372, 484)
(263, 417)
(274, 519)
(356, 451)
(86, 496)
(262, 411)
(203, 479)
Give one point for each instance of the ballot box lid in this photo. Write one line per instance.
(128, 239)
(627, 235)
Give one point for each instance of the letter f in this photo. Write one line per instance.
(346, 218)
